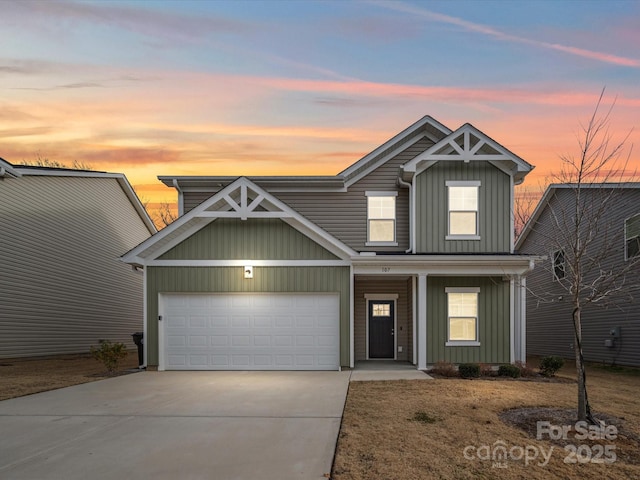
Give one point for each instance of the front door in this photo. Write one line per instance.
(381, 329)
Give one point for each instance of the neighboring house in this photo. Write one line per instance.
(610, 333)
(406, 255)
(62, 285)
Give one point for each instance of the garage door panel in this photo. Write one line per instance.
(251, 332)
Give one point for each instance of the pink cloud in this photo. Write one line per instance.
(499, 35)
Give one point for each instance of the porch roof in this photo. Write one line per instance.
(443, 264)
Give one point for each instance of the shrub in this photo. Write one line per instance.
(525, 370)
(445, 369)
(509, 371)
(550, 365)
(109, 354)
(469, 370)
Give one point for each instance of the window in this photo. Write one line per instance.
(381, 217)
(558, 264)
(632, 237)
(462, 316)
(463, 210)
(381, 310)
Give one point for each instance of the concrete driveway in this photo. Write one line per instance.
(177, 425)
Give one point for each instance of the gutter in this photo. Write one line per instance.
(180, 197)
(408, 185)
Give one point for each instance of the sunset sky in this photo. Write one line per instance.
(153, 88)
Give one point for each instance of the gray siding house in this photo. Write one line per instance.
(407, 255)
(611, 330)
(62, 285)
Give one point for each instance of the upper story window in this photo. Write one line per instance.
(462, 313)
(632, 237)
(463, 210)
(381, 218)
(558, 265)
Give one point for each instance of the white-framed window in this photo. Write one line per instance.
(632, 237)
(381, 218)
(462, 316)
(462, 204)
(558, 265)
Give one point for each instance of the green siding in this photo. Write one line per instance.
(432, 208)
(230, 279)
(493, 318)
(235, 239)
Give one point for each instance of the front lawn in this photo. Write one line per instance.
(451, 429)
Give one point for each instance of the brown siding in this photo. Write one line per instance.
(379, 286)
(549, 309)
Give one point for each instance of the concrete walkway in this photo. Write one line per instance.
(374, 370)
(177, 425)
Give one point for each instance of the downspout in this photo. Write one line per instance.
(410, 187)
(180, 197)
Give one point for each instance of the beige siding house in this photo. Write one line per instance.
(62, 285)
(407, 255)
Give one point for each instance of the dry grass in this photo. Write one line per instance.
(418, 430)
(25, 376)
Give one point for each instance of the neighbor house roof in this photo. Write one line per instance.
(8, 170)
(544, 201)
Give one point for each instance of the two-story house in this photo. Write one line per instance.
(406, 255)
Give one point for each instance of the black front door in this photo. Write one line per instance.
(381, 332)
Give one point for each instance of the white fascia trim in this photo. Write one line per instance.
(461, 343)
(462, 290)
(391, 193)
(242, 263)
(463, 183)
(463, 237)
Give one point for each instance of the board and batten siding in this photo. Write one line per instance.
(231, 280)
(494, 217)
(493, 320)
(236, 239)
(382, 285)
(549, 309)
(62, 286)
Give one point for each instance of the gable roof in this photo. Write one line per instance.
(8, 170)
(550, 190)
(467, 144)
(241, 199)
(425, 127)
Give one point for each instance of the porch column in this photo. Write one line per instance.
(422, 322)
(523, 319)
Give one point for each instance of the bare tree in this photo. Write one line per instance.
(165, 215)
(582, 237)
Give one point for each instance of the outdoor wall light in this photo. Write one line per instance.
(248, 271)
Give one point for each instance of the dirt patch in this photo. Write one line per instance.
(417, 430)
(25, 376)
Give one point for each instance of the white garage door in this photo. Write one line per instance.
(250, 332)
